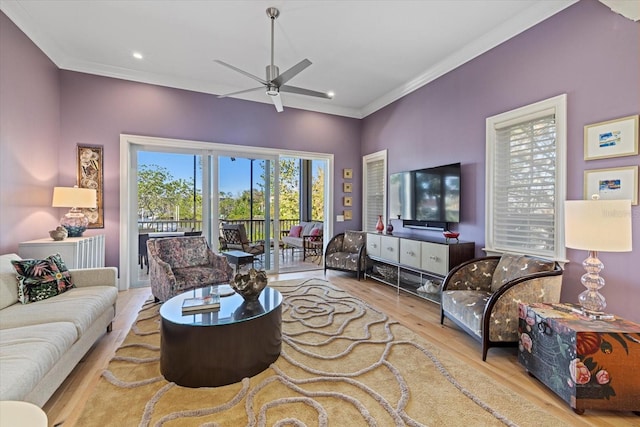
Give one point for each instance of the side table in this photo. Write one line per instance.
(590, 364)
(15, 413)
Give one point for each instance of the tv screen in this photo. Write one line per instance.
(426, 195)
(401, 195)
(438, 194)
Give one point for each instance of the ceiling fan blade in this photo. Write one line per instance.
(256, 78)
(301, 91)
(291, 72)
(240, 91)
(277, 102)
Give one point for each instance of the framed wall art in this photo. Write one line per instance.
(346, 187)
(347, 173)
(347, 201)
(90, 175)
(612, 184)
(613, 138)
(348, 214)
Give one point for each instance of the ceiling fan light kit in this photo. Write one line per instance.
(275, 82)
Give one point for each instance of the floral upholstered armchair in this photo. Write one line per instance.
(347, 252)
(482, 295)
(178, 264)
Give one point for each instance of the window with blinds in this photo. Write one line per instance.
(525, 167)
(374, 188)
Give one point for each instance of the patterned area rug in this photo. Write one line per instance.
(342, 363)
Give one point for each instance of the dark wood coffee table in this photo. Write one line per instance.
(221, 347)
(238, 258)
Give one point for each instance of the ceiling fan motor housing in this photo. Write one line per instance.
(272, 72)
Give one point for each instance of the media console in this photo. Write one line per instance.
(415, 264)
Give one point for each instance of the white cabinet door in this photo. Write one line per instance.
(435, 258)
(410, 253)
(390, 248)
(373, 244)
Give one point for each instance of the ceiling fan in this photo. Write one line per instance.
(275, 82)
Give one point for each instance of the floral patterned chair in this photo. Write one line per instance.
(482, 295)
(347, 252)
(177, 264)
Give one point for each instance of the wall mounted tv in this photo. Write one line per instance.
(426, 197)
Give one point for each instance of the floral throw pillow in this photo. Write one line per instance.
(39, 279)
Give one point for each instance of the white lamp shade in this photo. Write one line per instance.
(598, 225)
(74, 197)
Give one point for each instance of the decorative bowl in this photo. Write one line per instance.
(249, 285)
(60, 233)
(450, 234)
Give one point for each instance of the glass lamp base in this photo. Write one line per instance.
(75, 225)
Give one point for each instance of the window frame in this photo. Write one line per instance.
(521, 115)
(366, 160)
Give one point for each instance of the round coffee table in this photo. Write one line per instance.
(216, 348)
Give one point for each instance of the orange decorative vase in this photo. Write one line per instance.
(380, 224)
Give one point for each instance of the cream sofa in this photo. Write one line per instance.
(310, 245)
(41, 342)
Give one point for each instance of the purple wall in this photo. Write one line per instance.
(46, 112)
(29, 135)
(96, 110)
(586, 51)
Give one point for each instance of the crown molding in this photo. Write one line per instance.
(509, 29)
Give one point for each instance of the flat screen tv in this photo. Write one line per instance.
(426, 196)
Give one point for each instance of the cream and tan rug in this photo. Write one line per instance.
(343, 363)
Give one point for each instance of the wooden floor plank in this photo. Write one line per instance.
(420, 316)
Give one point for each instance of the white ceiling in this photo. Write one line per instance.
(369, 53)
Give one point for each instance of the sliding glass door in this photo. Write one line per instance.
(246, 199)
(178, 187)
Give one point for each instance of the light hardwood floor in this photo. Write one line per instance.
(419, 315)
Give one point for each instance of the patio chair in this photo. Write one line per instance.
(234, 237)
(178, 264)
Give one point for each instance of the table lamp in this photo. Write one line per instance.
(75, 198)
(596, 225)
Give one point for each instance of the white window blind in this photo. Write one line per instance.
(525, 170)
(374, 189)
(524, 197)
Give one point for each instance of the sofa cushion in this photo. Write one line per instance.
(39, 279)
(467, 307)
(295, 231)
(80, 306)
(8, 281)
(28, 353)
(512, 267)
(201, 276)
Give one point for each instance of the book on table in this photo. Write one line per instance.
(200, 304)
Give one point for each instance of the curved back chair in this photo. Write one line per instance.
(482, 295)
(347, 252)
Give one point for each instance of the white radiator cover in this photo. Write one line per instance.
(76, 252)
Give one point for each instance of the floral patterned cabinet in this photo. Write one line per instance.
(590, 364)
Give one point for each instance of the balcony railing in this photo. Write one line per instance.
(255, 228)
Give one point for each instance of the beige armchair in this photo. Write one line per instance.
(347, 252)
(177, 264)
(482, 295)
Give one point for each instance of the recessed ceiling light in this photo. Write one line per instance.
(137, 55)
